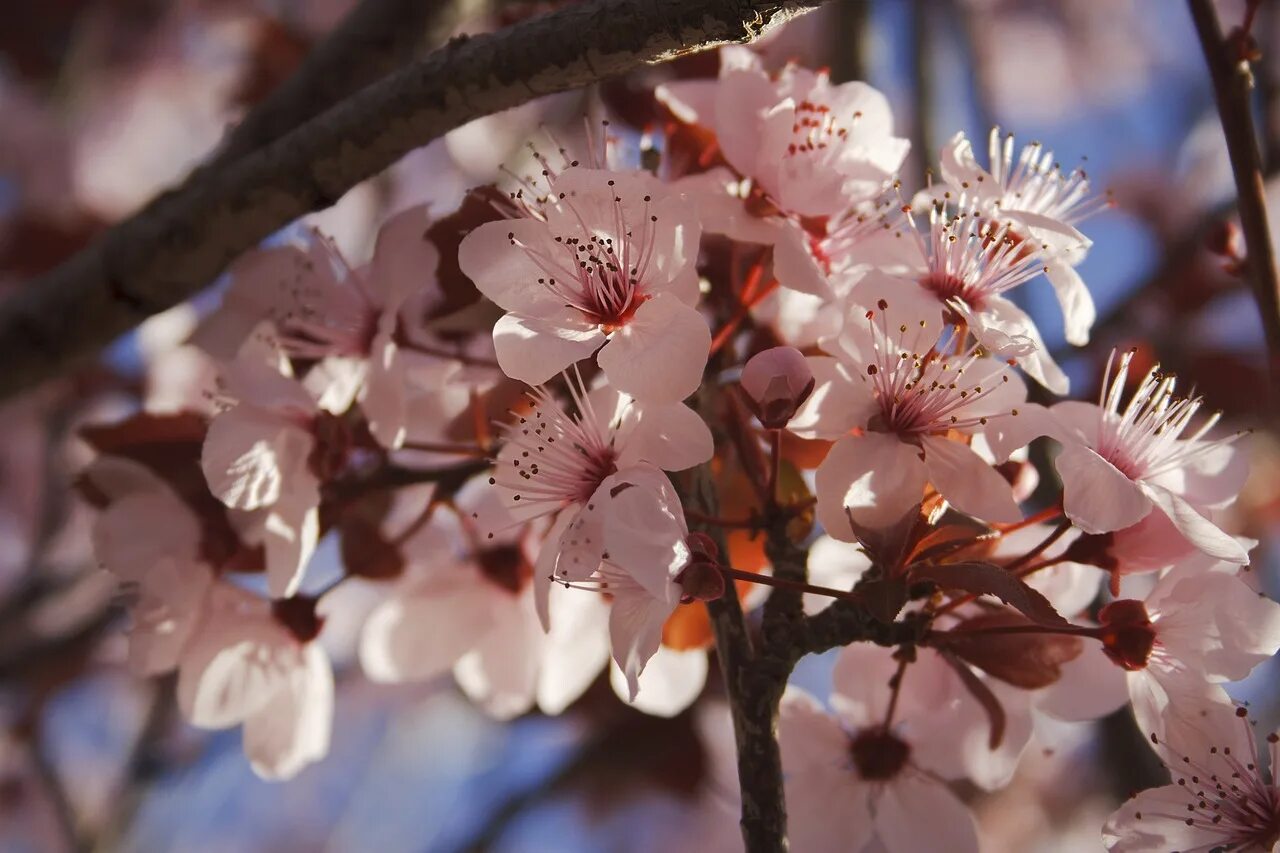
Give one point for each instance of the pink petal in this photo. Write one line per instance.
(534, 349)
(249, 454)
(968, 482)
(576, 647)
(915, 812)
(293, 729)
(671, 682)
(404, 259)
(795, 266)
(671, 436)
(839, 402)
(635, 632)
(231, 669)
(290, 533)
(1096, 496)
(1153, 821)
(660, 355)
(1003, 318)
(501, 673)
(876, 476)
(1201, 532)
(137, 531)
(1091, 687)
(834, 565)
(421, 634)
(506, 273)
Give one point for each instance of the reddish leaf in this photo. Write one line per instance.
(447, 233)
(989, 579)
(1028, 661)
(982, 693)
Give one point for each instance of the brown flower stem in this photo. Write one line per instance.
(1069, 631)
(1232, 84)
(446, 447)
(1054, 535)
(783, 583)
(1047, 514)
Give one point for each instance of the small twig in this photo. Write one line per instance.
(1232, 82)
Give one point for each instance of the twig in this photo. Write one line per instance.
(1232, 82)
(181, 241)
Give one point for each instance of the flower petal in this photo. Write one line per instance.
(875, 476)
(671, 682)
(1096, 496)
(1201, 532)
(293, 729)
(534, 349)
(659, 356)
(967, 482)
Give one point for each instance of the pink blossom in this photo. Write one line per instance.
(1116, 465)
(604, 262)
(812, 147)
(261, 456)
(1201, 625)
(851, 779)
(252, 662)
(1220, 799)
(474, 613)
(629, 541)
(969, 264)
(776, 382)
(904, 401)
(1040, 202)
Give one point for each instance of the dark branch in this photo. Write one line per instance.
(181, 241)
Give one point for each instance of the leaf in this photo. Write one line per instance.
(1029, 661)
(982, 693)
(978, 578)
(446, 234)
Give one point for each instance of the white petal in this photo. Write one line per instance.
(1077, 305)
(293, 729)
(1201, 532)
(421, 634)
(1090, 688)
(659, 356)
(290, 533)
(135, 532)
(505, 273)
(672, 680)
(500, 674)
(1152, 822)
(875, 476)
(534, 349)
(635, 632)
(795, 266)
(835, 565)
(1096, 496)
(231, 669)
(967, 482)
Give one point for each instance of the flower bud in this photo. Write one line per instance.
(701, 580)
(776, 383)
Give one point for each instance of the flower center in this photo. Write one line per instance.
(1128, 635)
(878, 754)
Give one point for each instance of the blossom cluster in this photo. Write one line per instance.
(545, 428)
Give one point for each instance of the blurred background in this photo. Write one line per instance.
(106, 103)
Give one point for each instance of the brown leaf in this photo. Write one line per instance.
(447, 233)
(978, 578)
(1029, 661)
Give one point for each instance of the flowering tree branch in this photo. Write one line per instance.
(1232, 82)
(181, 241)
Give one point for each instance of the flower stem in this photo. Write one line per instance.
(795, 586)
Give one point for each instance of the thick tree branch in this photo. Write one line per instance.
(180, 242)
(1232, 82)
(374, 39)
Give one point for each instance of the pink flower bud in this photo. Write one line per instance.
(776, 383)
(701, 580)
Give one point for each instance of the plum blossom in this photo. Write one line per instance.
(474, 612)
(1117, 465)
(1221, 798)
(1039, 202)
(266, 455)
(604, 262)
(856, 777)
(968, 264)
(254, 662)
(1201, 625)
(630, 542)
(904, 399)
(554, 462)
(809, 162)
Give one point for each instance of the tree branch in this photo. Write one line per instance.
(373, 40)
(181, 241)
(1232, 82)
